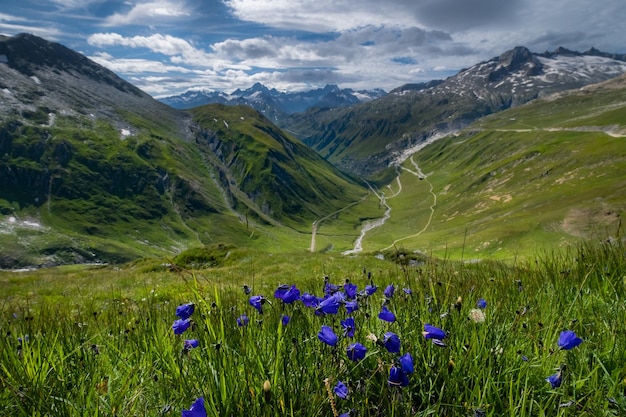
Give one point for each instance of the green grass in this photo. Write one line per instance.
(98, 340)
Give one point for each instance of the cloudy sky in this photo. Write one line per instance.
(168, 46)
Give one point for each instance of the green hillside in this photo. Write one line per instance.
(536, 177)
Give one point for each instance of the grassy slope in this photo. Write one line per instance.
(537, 176)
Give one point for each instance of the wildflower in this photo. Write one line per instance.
(330, 305)
(568, 340)
(341, 390)
(386, 315)
(481, 303)
(476, 315)
(196, 410)
(406, 363)
(191, 343)
(356, 351)
(181, 325)
(351, 306)
(246, 290)
(555, 380)
(432, 332)
(327, 336)
(185, 311)
(391, 341)
(288, 294)
(348, 327)
(397, 377)
(370, 289)
(389, 291)
(285, 320)
(242, 320)
(350, 290)
(330, 289)
(257, 301)
(407, 291)
(309, 300)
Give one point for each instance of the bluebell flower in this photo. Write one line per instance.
(370, 289)
(391, 341)
(555, 380)
(432, 332)
(350, 290)
(181, 325)
(247, 290)
(309, 300)
(481, 303)
(397, 377)
(389, 291)
(352, 306)
(568, 340)
(386, 315)
(285, 320)
(185, 311)
(406, 363)
(327, 336)
(288, 294)
(329, 305)
(330, 289)
(407, 291)
(191, 343)
(257, 301)
(356, 351)
(242, 320)
(348, 327)
(341, 390)
(196, 410)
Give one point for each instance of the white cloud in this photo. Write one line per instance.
(151, 12)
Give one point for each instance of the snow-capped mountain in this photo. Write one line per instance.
(275, 104)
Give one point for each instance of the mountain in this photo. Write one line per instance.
(367, 138)
(274, 104)
(95, 170)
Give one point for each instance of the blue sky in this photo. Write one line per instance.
(166, 47)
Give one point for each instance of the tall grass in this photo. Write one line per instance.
(121, 357)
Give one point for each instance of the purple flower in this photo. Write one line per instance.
(386, 315)
(309, 300)
(341, 390)
(389, 291)
(196, 410)
(185, 311)
(351, 306)
(257, 301)
(406, 363)
(288, 294)
(397, 377)
(555, 380)
(191, 343)
(181, 325)
(327, 336)
(350, 290)
(356, 351)
(432, 332)
(407, 291)
(330, 289)
(242, 320)
(391, 341)
(568, 340)
(481, 303)
(285, 320)
(329, 305)
(438, 342)
(370, 289)
(348, 327)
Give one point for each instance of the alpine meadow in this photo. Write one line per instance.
(450, 248)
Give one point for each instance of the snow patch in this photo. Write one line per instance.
(35, 79)
(124, 133)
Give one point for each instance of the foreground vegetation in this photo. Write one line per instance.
(101, 341)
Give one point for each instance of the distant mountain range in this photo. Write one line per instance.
(92, 169)
(274, 104)
(367, 138)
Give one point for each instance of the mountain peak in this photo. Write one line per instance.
(516, 57)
